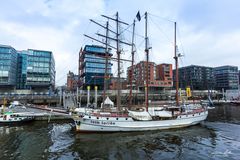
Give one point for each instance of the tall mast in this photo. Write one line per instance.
(147, 58)
(117, 48)
(78, 81)
(118, 66)
(132, 68)
(106, 64)
(176, 62)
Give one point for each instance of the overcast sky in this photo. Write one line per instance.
(208, 30)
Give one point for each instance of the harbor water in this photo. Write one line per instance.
(216, 138)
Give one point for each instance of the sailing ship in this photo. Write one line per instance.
(142, 118)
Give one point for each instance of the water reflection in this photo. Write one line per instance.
(216, 138)
(169, 143)
(225, 113)
(24, 142)
(9, 129)
(61, 139)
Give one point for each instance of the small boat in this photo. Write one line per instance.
(15, 118)
(236, 102)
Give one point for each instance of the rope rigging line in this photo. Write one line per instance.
(137, 48)
(180, 39)
(84, 39)
(125, 29)
(63, 76)
(162, 18)
(169, 40)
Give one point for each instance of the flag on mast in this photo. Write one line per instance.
(138, 16)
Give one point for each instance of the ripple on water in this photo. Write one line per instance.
(61, 137)
(217, 138)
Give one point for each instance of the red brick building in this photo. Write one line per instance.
(159, 77)
(164, 73)
(113, 85)
(72, 81)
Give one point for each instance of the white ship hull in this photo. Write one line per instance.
(14, 118)
(126, 124)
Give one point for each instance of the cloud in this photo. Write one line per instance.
(53, 25)
(210, 49)
(208, 31)
(217, 16)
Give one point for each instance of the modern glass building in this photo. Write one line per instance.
(239, 79)
(8, 66)
(197, 77)
(28, 69)
(226, 77)
(22, 70)
(40, 70)
(92, 66)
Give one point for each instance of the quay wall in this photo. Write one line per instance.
(138, 98)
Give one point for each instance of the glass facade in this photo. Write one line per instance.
(239, 79)
(95, 49)
(197, 77)
(92, 62)
(26, 69)
(40, 68)
(8, 66)
(22, 70)
(226, 77)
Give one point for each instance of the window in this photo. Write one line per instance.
(95, 49)
(97, 65)
(98, 60)
(96, 70)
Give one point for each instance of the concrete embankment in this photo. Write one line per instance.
(44, 113)
(50, 114)
(53, 118)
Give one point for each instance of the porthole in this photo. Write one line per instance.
(116, 118)
(97, 117)
(193, 115)
(126, 118)
(89, 117)
(107, 118)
